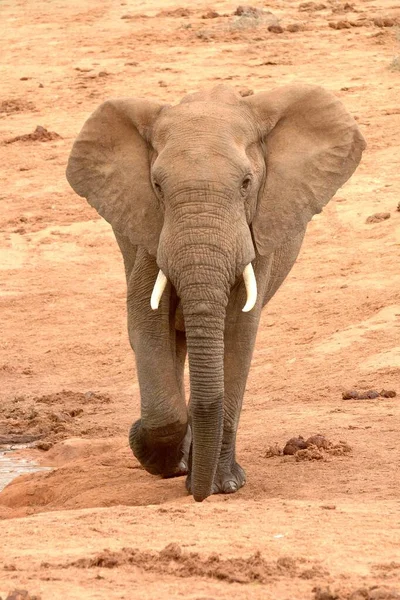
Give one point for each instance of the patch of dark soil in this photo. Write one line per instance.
(70, 396)
(8, 107)
(26, 419)
(41, 134)
(173, 560)
(378, 217)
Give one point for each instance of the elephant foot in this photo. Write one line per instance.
(228, 479)
(163, 451)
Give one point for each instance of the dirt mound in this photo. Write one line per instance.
(173, 560)
(89, 474)
(39, 135)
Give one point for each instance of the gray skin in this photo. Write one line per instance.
(200, 190)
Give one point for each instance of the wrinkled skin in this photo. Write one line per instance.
(200, 190)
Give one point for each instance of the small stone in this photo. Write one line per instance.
(275, 29)
(388, 394)
(328, 506)
(350, 395)
(294, 27)
(324, 594)
(163, 83)
(248, 11)
(383, 22)
(210, 14)
(339, 24)
(172, 552)
(368, 395)
(45, 446)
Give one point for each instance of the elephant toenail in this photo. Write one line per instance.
(230, 487)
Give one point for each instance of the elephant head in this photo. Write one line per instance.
(205, 186)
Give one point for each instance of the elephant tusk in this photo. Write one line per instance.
(158, 290)
(251, 288)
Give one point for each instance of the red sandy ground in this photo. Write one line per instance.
(334, 325)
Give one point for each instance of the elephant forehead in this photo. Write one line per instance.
(204, 120)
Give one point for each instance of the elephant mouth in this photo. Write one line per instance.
(249, 282)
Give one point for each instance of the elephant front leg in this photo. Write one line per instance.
(161, 438)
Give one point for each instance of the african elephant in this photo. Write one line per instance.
(209, 201)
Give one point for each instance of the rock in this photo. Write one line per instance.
(350, 395)
(383, 22)
(210, 14)
(294, 27)
(324, 594)
(368, 395)
(388, 394)
(248, 11)
(339, 24)
(45, 446)
(275, 28)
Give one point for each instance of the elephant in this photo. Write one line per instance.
(209, 200)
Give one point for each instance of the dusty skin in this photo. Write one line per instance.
(98, 526)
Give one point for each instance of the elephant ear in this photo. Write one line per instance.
(109, 166)
(312, 145)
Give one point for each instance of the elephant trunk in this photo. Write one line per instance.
(204, 326)
(204, 247)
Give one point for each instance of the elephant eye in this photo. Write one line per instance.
(158, 189)
(245, 185)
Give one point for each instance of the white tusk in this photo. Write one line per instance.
(158, 290)
(251, 287)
